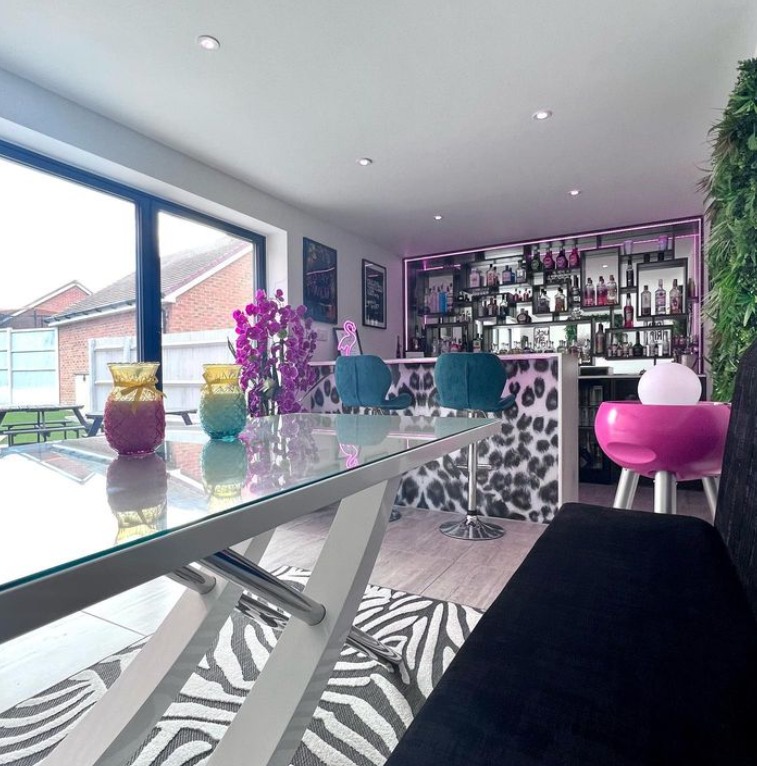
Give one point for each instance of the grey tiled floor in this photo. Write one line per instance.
(414, 557)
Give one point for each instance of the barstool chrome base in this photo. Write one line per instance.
(471, 528)
(395, 515)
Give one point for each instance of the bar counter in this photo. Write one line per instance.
(526, 472)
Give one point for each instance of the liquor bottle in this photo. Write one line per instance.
(491, 276)
(493, 307)
(646, 302)
(575, 294)
(522, 317)
(433, 302)
(482, 308)
(665, 345)
(574, 260)
(675, 298)
(399, 348)
(601, 292)
(612, 291)
(589, 293)
(520, 272)
(477, 344)
(599, 341)
(426, 306)
(628, 312)
(474, 278)
(442, 300)
(549, 261)
(450, 299)
(560, 300)
(542, 305)
(638, 349)
(660, 298)
(536, 265)
(629, 273)
(562, 261)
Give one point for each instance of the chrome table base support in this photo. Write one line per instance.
(471, 527)
(248, 575)
(357, 639)
(664, 492)
(626, 492)
(194, 579)
(711, 486)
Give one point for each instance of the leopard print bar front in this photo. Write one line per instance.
(519, 470)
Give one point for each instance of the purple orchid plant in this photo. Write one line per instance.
(274, 346)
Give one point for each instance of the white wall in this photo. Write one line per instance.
(38, 119)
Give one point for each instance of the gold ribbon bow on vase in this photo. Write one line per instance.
(139, 388)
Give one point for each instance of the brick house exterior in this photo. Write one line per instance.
(36, 313)
(201, 287)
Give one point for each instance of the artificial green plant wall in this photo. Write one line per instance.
(732, 247)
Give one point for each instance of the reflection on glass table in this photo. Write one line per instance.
(81, 525)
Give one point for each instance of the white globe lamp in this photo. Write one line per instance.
(670, 384)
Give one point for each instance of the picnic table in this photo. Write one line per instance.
(96, 419)
(38, 424)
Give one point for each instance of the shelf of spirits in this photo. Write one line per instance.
(563, 294)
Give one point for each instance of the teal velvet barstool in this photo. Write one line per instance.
(472, 383)
(364, 381)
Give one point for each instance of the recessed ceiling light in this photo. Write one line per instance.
(438, 217)
(364, 161)
(574, 192)
(208, 43)
(542, 114)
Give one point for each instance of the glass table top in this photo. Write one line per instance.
(65, 502)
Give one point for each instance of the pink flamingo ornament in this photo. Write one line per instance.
(349, 339)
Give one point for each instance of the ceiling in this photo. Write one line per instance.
(439, 93)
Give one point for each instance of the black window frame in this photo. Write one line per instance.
(148, 307)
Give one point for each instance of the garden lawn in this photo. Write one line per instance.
(31, 419)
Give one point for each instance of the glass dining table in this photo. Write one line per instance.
(81, 524)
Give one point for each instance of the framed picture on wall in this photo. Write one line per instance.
(374, 295)
(319, 284)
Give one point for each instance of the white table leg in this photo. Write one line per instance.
(115, 727)
(664, 492)
(271, 722)
(711, 486)
(626, 492)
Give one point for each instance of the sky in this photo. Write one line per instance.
(54, 231)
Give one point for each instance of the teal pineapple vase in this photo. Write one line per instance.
(223, 408)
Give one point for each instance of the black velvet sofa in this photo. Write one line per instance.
(625, 638)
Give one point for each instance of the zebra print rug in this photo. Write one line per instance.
(361, 716)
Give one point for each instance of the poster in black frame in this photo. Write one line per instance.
(374, 295)
(319, 281)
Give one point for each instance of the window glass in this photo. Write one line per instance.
(205, 275)
(67, 286)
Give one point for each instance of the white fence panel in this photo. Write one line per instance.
(184, 354)
(103, 351)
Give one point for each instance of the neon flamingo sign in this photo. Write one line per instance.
(349, 339)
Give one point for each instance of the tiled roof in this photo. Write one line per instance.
(176, 271)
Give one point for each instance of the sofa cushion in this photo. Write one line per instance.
(624, 638)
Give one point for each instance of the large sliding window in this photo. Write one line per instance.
(93, 272)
